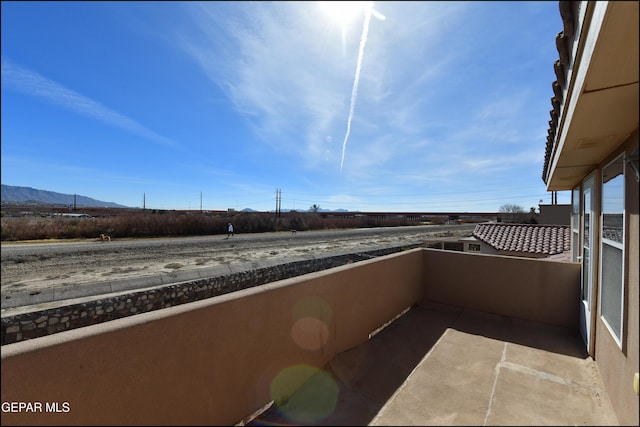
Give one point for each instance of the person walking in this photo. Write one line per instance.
(230, 230)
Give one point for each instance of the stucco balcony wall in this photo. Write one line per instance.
(216, 361)
(545, 292)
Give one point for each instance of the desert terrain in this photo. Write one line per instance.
(33, 266)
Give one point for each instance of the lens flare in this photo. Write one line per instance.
(310, 333)
(315, 398)
(312, 317)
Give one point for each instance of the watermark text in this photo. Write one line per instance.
(28, 407)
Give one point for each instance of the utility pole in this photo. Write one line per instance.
(278, 201)
(201, 202)
(144, 201)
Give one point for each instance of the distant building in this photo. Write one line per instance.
(554, 214)
(521, 240)
(73, 215)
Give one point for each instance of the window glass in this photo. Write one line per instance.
(575, 210)
(575, 224)
(613, 201)
(612, 288)
(612, 246)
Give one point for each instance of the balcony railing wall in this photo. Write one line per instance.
(216, 361)
(541, 291)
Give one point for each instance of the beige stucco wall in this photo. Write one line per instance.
(555, 214)
(211, 362)
(216, 361)
(541, 291)
(487, 249)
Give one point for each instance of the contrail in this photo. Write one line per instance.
(354, 91)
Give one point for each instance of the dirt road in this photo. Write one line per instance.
(33, 266)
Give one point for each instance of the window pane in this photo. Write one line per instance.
(612, 287)
(586, 228)
(612, 245)
(585, 272)
(613, 201)
(575, 211)
(575, 224)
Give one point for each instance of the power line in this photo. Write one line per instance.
(396, 195)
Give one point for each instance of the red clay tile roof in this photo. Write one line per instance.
(569, 12)
(532, 238)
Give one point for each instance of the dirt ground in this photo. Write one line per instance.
(30, 266)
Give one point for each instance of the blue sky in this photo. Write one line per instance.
(383, 106)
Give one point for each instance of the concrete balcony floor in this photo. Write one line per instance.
(440, 365)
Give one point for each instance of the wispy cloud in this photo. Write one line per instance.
(33, 84)
(285, 70)
(448, 100)
(19, 165)
(356, 80)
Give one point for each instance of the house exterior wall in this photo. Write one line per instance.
(487, 249)
(593, 122)
(471, 244)
(554, 214)
(490, 250)
(618, 364)
(523, 254)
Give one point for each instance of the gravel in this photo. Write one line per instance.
(33, 266)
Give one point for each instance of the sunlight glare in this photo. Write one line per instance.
(343, 12)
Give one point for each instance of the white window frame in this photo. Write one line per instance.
(614, 244)
(576, 217)
(474, 247)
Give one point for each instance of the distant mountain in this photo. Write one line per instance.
(28, 195)
(307, 210)
(330, 210)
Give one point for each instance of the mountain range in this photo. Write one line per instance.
(28, 195)
(12, 194)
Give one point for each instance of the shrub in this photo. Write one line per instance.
(157, 223)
